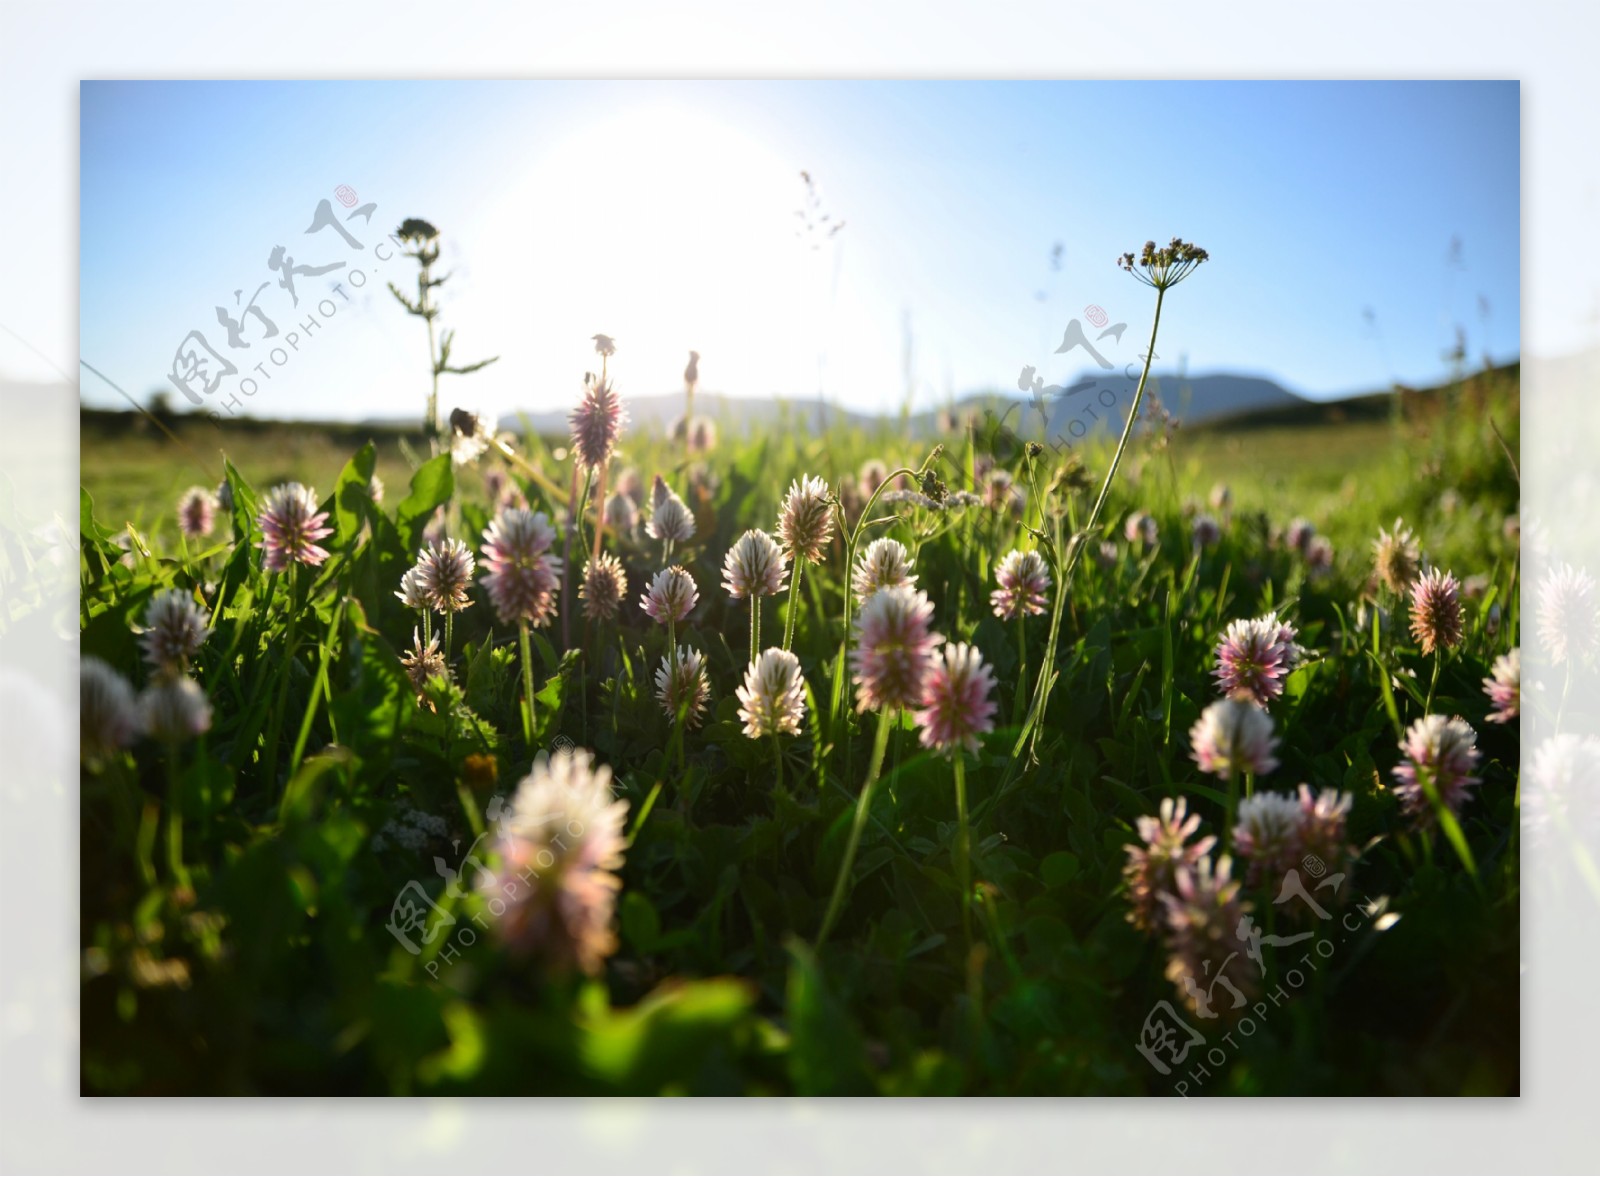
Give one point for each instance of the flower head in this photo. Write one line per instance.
(1024, 579)
(523, 576)
(1221, 497)
(1319, 556)
(1205, 531)
(1253, 658)
(1149, 872)
(805, 519)
(558, 848)
(1441, 752)
(884, 564)
(1567, 622)
(197, 511)
(1436, 610)
(174, 709)
(1395, 557)
(1504, 687)
(444, 573)
(604, 586)
(754, 566)
(672, 595)
(1203, 914)
(669, 517)
(1299, 533)
(1164, 267)
(622, 516)
(1141, 528)
(597, 423)
(894, 648)
(682, 686)
(1234, 735)
(423, 662)
(470, 435)
(411, 591)
(1268, 835)
(1322, 829)
(957, 704)
(108, 717)
(174, 628)
(773, 697)
(290, 526)
(874, 473)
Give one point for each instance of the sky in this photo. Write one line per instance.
(1353, 227)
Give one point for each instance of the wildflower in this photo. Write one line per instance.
(1319, 556)
(559, 847)
(290, 526)
(604, 346)
(1000, 492)
(773, 697)
(1567, 623)
(893, 649)
(1268, 835)
(1149, 871)
(1203, 914)
(423, 662)
(1165, 267)
(698, 433)
(1298, 536)
(1322, 829)
(1253, 658)
(174, 628)
(1234, 735)
(444, 573)
(671, 595)
(873, 474)
(1205, 531)
(174, 709)
(197, 511)
(604, 586)
(523, 576)
(1107, 554)
(805, 520)
(621, 514)
(597, 423)
(884, 564)
(1024, 580)
(670, 519)
(411, 590)
(108, 717)
(1504, 687)
(629, 483)
(1396, 557)
(1436, 611)
(682, 686)
(754, 566)
(470, 435)
(1141, 527)
(957, 706)
(1441, 752)
(1558, 796)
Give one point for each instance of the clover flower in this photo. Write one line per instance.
(108, 716)
(893, 648)
(1436, 610)
(174, 629)
(671, 595)
(1203, 914)
(1267, 835)
(805, 519)
(524, 577)
(597, 423)
(411, 590)
(290, 526)
(1141, 528)
(605, 584)
(174, 709)
(444, 573)
(1504, 687)
(957, 703)
(421, 663)
(1559, 800)
(1319, 556)
(754, 566)
(670, 519)
(1322, 829)
(682, 686)
(1439, 751)
(1234, 735)
(773, 697)
(1395, 557)
(1299, 534)
(1254, 656)
(1567, 622)
(197, 512)
(621, 515)
(874, 473)
(1150, 870)
(1024, 581)
(884, 564)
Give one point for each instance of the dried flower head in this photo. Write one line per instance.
(1441, 752)
(884, 564)
(1203, 914)
(605, 584)
(523, 577)
(1234, 735)
(683, 687)
(1396, 557)
(1436, 611)
(1165, 267)
(805, 519)
(174, 709)
(1567, 621)
(423, 662)
(197, 512)
(893, 649)
(444, 573)
(108, 717)
(754, 566)
(1024, 581)
(1504, 687)
(773, 697)
(957, 703)
(671, 596)
(174, 628)
(1149, 872)
(290, 526)
(597, 423)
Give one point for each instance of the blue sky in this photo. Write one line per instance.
(663, 213)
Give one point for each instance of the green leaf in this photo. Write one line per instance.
(352, 494)
(1058, 868)
(826, 1056)
(431, 487)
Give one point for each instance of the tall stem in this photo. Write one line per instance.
(963, 848)
(175, 817)
(794, 600)
(863, 808)
(1438, 656)
(284, 668)
(1233, 806)
(527, 682)
(755, 626)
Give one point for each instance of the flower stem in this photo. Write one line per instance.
(755, 626)
(1233, 806)
(963, 849)
(863, 808)
(180, 876)
(1438, 657)
(794, 600)
(527, 682)
(284, 669)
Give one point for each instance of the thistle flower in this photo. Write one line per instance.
(290, 526)
(604, 585)
(423, 662)
(754, 566)
(1203, 913)
(893, 651)
(1205, 530)
(1299, 533)
(1253, 658)
(108, 717)
(470, 435)
(1141, 528)
(1441, 751)
(773, 697)
(1024, 580)
(444, 573)
(597, 423)
(957, 706)
(805, 520)
(672, 595)
(558, 849)
(174, 628)
(1149, 871)
(669, 517)
(197, 511)
(1166, 267)
(523, 577)
(621, 514)
(1504, 687)
(1558, 797)
(411, 590)
(1234, 735)
(884, 564)
(174, 709)
(1567, 622)
(1436, 610)
(1395, 557)
(1268, 835)
(682, 686)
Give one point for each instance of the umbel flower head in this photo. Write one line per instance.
(805, 519)
(893, 649)
(444, 573)
(672, 595)
(423, 662)
(1165, 267)
(1504, 687)
(174, 709)
(108, 717)
(682, 686)
(1149, 871)
(1253, 658)
(197, 512)
(1567, 622)
(290, 527)
(1395, 557)
(523, 575)
(1436, 611)
(1207, 960)
(558, 849)
(1268, 835)
(957, 703)
(604, 585)
(884, 564)
(669, 517)
(754, 566)
(597, 422)
(773, 697)
(1441, 752)
(174, 628)
(1234, 735)
(1024, 581)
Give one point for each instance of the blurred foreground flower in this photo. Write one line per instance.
(108, 718)
(174, 709)
(1441, 752)
(1204, 916)
(1150, 869)
(1567, 621)
(893, 649)
(1504, 687)
(1395, 557)
(1231, 736)
(174, 628)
